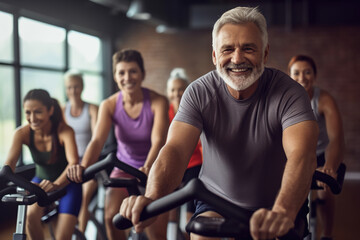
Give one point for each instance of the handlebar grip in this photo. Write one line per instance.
(328, 180)
(291, 235)
(7, 173)
(121, 222)
(7, 190)
(89, 173)
(341, 174)
(53, 196)
(38, 193)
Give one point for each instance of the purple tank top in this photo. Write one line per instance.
(133, 136)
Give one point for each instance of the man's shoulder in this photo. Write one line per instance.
(274, 73)
(207, 82)
(279, 79)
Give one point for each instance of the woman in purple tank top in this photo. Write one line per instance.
(140, 121)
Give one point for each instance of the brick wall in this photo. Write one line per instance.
(336, 51)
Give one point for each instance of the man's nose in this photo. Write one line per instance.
(238, 56)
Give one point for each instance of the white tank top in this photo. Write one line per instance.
(81, 126)
(323, 139)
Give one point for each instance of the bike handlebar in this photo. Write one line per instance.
(195, 189)
(112, 161)
(37, 194)
(335, 185)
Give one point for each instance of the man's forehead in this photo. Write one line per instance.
(229, 34)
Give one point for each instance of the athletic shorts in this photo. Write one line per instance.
(118, 173)
(71, 202)
(301, 223)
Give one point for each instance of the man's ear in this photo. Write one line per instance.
(214, 57)
(266, 53)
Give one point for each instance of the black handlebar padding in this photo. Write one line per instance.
(112, 161)
(335, 185)
(131, 184)
(7, 190)
(89, 173)
(43, 198)
(341, 174)
(18, 180)
(195, 189)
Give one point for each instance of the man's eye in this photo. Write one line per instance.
(248, 50)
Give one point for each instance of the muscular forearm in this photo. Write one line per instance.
(295, 186)
(165, 174)
(153, 153)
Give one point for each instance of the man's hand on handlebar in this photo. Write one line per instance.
(75, 172)
(132, 207)
(267, 224)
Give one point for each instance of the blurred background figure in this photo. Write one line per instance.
(176, 85)
(81, 116)
(140, 120)
(330, 147)
(53, 149)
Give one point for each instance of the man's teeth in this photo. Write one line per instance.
(239, 69)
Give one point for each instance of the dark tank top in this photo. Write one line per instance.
(44, 169)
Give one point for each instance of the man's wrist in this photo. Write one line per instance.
(282, 210)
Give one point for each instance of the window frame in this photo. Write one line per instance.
(106, 44)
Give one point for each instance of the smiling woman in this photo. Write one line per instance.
(52, 145)
(140, 122)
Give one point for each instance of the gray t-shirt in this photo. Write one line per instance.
(242, 139)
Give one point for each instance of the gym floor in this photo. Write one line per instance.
(347, 223)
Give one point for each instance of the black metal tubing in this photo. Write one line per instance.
(195, 189)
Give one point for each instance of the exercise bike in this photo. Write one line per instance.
(134, 185)
(22, 192)
(235, 223)
(335, 186)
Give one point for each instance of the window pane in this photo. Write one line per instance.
(48, 80)
(85, 51)
(92, 89)
(6, 37)
(41, 44)
(7, 110)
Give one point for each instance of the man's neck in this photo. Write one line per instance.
(243, 94)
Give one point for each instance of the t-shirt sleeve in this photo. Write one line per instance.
(190, 107)
(296, 106)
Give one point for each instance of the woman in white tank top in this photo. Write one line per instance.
(331, 137)
(81, 116)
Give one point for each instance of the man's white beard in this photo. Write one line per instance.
(242, 82)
